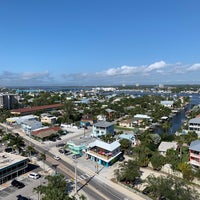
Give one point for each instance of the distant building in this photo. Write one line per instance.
(194, 149)
(48, 119)
(102, 128)
(139, 119)
(168, 104)
(26, 111)
(128, 123)
(30, 125)
(20, 120)
(103, 153)
(194, 125)
(11, 166)
(8, 101)
(44, 132)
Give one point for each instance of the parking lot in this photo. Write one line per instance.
(8, 192)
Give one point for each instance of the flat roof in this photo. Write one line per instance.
(103, 124)
(7, 159)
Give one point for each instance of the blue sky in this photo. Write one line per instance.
(99, 42)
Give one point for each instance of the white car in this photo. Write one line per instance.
(56, 157)
(34, 175)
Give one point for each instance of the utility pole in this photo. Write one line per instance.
(75, 175)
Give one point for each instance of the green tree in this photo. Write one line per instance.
(186, 170)
(67, 109)
(172, 157)
(127, 172)
(157, 161)
(55, 189)
(171, 188)
(125, 144)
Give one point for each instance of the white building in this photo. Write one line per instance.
(103, 153)
(194, 125)
(30, 125)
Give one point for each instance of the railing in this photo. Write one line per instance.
(107, 157)
(195, 155)
(193, 162)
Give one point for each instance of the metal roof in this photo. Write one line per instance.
(195, 145)
(195, 120)
(110, 147)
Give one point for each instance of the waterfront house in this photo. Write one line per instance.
(194, 125)
(103, 153)
(102, 128)
(139, 119)
(194, 149)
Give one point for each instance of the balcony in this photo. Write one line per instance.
(105, 156)
(195, 155)
(193, 162)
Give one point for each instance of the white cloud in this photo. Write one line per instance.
(155, 66)
(194, 67)
(158, 72)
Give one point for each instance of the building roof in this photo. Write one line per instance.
(195, 120)
(141, 116)
(167, 103)
(103, 124)
(195, 145)
(164, 146)
(7, 159)
(35, 108)
(31, 122)
(45, 132)
(127, 136)
(110, 147)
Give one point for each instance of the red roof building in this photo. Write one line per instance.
(25, 111)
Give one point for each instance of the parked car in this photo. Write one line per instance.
(20, 197)
(56, 157)
(75, 156)
(18, 184)
(34, 175)
(60, 144)
(66, 152)
(61, 150)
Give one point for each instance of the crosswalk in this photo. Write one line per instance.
(79, 178)
(83, 177)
